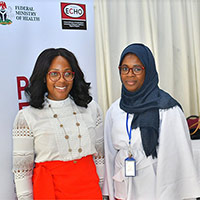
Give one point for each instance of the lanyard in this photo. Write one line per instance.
(128, 131)
(129, 136)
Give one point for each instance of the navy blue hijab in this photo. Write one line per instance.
(146, 101)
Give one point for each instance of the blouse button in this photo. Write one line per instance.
(66, 137)
(77, 124)
(70, 150)
(61, 125)
(79, 136)
(74, 113)
(55, 115)
(79, 150)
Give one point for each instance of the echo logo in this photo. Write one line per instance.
(73, 16)
(74, 11)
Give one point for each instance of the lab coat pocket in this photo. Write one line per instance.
(120, 184)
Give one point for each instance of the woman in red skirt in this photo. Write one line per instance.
(56, 137)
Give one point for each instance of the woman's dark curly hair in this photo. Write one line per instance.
(35, 91)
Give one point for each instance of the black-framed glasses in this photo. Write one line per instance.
(55, 75)
(137, 69)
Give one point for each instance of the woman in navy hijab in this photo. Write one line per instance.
(148, 152)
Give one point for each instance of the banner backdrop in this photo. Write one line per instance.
(26, 29)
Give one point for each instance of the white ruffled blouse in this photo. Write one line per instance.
(38, 136)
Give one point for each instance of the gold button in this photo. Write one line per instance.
(70, 150)
(74, 113)
(79, 150)
(61, 125)
(75, 161)
(55, 115)
(77, 124)
(66, 137)
(79, 136)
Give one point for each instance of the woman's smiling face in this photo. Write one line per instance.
(131, 81)
(60, 89)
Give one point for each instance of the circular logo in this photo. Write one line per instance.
(73, 11)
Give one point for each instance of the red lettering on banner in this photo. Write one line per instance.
(24, 104)
(21, 88)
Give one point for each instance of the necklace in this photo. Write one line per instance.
(77, 124)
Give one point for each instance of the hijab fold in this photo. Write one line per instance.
(146, 101)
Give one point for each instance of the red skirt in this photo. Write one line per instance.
(66, 180)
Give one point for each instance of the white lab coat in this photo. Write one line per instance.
(171, 176)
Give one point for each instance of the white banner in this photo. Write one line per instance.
(26, 29)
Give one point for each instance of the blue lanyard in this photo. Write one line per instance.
(128, 132)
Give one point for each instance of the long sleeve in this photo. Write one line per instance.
(176, 175)
(23, 157)
(110, 153)
(99, 131)
(99, 158)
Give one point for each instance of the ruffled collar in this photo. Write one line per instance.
(58, 103)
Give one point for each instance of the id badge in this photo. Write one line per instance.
(130, 167)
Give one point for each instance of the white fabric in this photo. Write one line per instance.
(196, 153)
(38, 137)
(172, 176)
(103, 59)
(170, 28)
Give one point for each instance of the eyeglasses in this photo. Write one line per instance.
(55, 75)
(137, 69)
